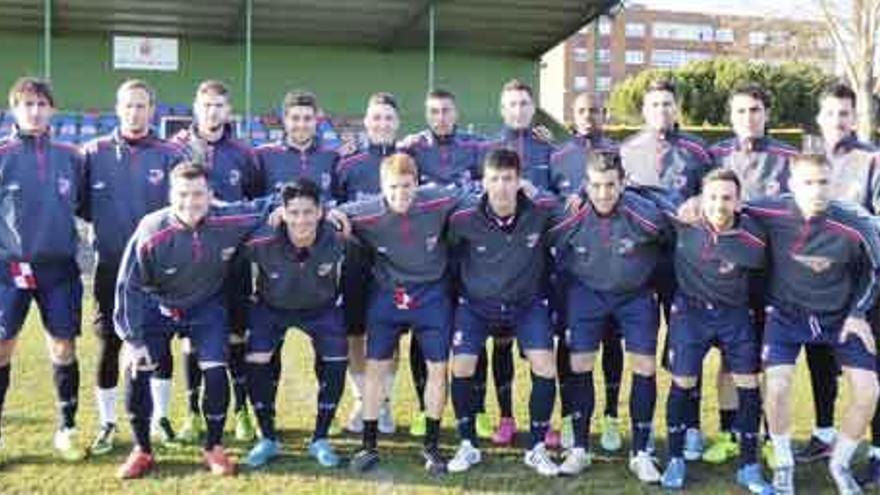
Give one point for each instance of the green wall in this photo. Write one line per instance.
(342, 77)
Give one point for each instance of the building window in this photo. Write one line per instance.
(604, 56)
(635, 30)
(724, 35)
(581, 83)
(757, 38)
(683, 32)
(604, 26)
(635, 57)
(581, 54)
(603, 83)
(673, 59)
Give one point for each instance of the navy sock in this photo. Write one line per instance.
(193, 381)
(238, 374)
(139, 405)
(419, 370)
(332, 383)
(463, 391)
(541, 406)
(275, 364)
(583, 400)
(641, 407)
(371, 430)
(260, 388)
(4, 386)
(727, 418)
(612, 370)
(564, 377)
(502, 372)
(695, 396)
(748, 420)
(432, 432)
(676, 418)
(67, 389)
(215, 403)
(479, 382)
(875, 428)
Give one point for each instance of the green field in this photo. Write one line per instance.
(27, 464)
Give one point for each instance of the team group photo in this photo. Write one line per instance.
(673, 285)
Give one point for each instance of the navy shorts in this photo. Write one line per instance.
(789, 330)
(696, 326)
(206, 324)
(589, 313)
(424, 308)
(58, 295)
(476, 320)
(325, 326)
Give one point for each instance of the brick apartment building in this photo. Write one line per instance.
(637, 38)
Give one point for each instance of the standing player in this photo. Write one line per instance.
(171, 282)
(567, 168)
(358, 179)
(299, 268)
(855, 177)
(517, 106)
(499, 238)
(609, 250)
(822, 284)
(126, 178)
(39, 195)
(761, 163)
(444, 155)
(403, 230)
(661, 155)
(232, 173)
(714, 259)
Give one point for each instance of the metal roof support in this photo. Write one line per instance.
(248, 65)
(432, 13)
(47, 39)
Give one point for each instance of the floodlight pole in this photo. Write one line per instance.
(47, 39)
(248, 65)
(431, 32)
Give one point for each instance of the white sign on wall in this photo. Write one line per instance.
(142, 53)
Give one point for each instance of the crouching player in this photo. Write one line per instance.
(823, 259)
(499, 239)
(299, 267)
(170, 282)
(404, 231)
(609, 250)
(714, 260)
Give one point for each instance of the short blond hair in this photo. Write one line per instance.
(398, 164)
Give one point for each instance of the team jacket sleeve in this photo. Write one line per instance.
(131, 295)
(867, 269)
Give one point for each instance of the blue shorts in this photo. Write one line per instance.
(206, 324)
(788, 330)
(589, 313)
(696, 326)
(476, 320)
(58, 295)
(428, 313)
(325, 326)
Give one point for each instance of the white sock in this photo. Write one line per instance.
(160, 390)
(358, 380)
(782, 450)
(825, 434)
(843, 450)
(388, 385)
(106, 399)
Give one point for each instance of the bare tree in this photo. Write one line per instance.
(852, 25)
